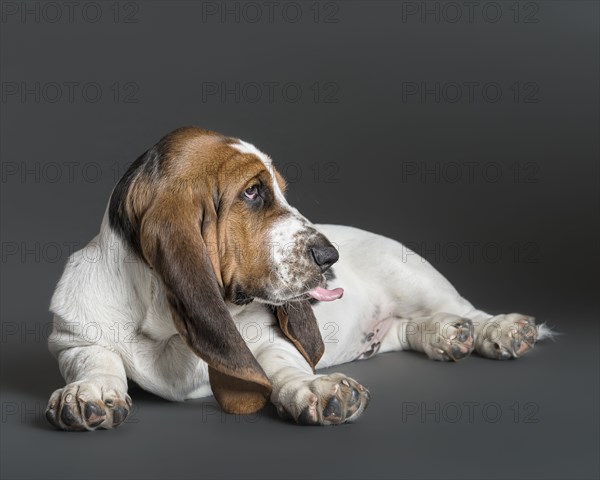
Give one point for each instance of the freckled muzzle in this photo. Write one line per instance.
(298, 268)
(295, 268)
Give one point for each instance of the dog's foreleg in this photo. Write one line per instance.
(95, 395)
(303, 396)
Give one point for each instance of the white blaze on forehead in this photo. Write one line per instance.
(245, 147)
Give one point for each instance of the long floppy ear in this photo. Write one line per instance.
(173, 246)
(166, 232)
(299, 324)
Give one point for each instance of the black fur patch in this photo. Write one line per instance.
(241, 298)
(146, 164)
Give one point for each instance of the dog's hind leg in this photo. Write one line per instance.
(442, 336)
(428, 314)
(452, 336)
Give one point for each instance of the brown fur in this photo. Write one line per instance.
(179, 205)
(298, 323)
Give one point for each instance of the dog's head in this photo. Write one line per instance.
(208, 214)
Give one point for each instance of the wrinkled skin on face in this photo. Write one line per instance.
(208, 216)
(266, 246)
(259, 246)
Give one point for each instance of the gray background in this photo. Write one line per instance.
(349, 146)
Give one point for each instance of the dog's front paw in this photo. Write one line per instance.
(322, 400)
(506, 336)
(83, 406)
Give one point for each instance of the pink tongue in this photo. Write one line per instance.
(324, 295)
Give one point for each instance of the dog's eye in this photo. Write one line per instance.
(251, 193)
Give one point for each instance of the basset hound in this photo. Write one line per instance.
(204, 280)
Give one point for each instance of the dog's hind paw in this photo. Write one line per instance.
(506, 336)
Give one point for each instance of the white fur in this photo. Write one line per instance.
(111, 314)
(112, 320)
(545, 332)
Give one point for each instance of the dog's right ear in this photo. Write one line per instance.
(165, 220)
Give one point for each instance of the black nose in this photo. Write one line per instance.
(325, 257)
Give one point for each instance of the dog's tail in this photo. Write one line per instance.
(545, 332)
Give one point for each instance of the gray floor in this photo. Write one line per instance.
(536, 417)
(532, 418)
